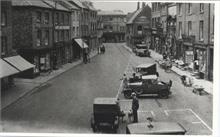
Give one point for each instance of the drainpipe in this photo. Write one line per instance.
(208, 46)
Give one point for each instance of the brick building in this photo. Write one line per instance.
(41, 34)
(114, 24)
(11, 63)
(195, 33)
(138, 27)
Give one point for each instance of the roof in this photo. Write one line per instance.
(145, 65)
(149, 77)
(105, 101)
(78, 3)
(159, 128)
(55, 5)
(114, 12)
(134, 15)
(33, 3)
(88, 4)
(68, 5)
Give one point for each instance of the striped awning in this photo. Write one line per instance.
(19, 63)
(6, 69)
(81, 43)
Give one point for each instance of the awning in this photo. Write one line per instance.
(19, 63)
(6, 69)
(81, 43)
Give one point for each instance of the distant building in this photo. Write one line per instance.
(138, 27)
(113, 23)
(195, 35)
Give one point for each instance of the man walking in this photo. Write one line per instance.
(135, 106)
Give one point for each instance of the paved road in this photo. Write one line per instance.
(65, 105)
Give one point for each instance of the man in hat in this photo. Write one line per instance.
(135, 106)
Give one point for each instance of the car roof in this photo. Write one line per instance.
(145, 65)
(158, 128)
(149, 77)
(105, 101)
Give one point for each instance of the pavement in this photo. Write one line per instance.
(207, 85)
(24, 87)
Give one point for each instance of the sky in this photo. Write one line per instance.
(126, 7)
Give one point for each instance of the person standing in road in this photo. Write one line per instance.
(135, 107)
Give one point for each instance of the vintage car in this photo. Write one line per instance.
(147, 85)
(146, 69)
(106, 113)
(156, 128)
(142, 50)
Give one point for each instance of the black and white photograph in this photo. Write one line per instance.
(108, 67)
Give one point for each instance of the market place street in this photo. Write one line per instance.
(65, 105)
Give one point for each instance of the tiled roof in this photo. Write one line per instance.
(68, 5)
(114, 12)
(35, 3)
(78, 3)
(133, 17)
(55, 5)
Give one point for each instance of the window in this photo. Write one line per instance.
(39, 37)
(56, 18)
(180, 9)
(62, 19)
(180, 29)
(62, 35)
(77, 31)
(46, 18)
(189, 8)
(3, 19)
(201, 25)
(189, 28)
(4, 45)
(67, 20)
(139, 29)
(201, 7)
(38, 17)
(46, 38)
(74, 31)
(56, 36)
(67, 35)
(74, 15)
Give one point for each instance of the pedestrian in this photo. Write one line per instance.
(125, 81)
(135, 107)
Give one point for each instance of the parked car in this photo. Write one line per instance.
(106, 113)
(146, 69)
(148, 85)
(156, 128)
(142, 50)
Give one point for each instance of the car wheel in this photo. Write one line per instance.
(163, 94)
(127, 94)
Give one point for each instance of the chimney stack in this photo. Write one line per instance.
(138, 5)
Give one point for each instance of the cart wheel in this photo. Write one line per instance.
(163, 94)
(127, 94)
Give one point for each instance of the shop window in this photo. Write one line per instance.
(189, 28)
(46, 18)
(201, 29)
(36, 63)
(3, 19)
(3, 45)
(201, 7)
(38, 17)
(39, 35)
(62, 19)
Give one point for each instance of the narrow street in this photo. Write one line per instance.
(65, 105)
